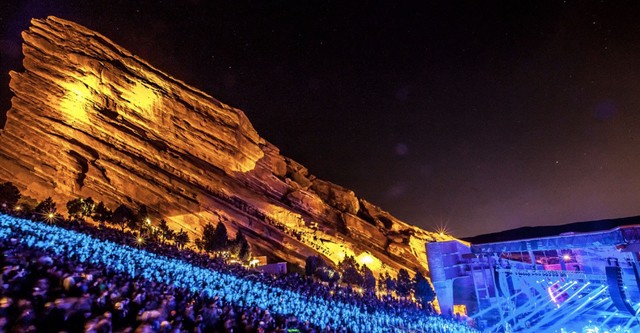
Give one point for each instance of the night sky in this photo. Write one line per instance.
(478, 115)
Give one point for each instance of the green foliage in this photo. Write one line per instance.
(80, 208)
(74, 207)
(422, 289)
(9, 196)
(89, 207)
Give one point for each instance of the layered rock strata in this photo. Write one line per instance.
(89, 118)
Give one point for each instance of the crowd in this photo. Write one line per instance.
(57, 279)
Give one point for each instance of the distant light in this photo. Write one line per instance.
(566, 257)
(442, 234)
(366, 259)
(148, 220)
(50, 215)
(18, 208)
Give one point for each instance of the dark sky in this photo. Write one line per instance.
(477, 115)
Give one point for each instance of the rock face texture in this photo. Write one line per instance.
(91, 119)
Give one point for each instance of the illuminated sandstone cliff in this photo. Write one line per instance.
(91, 119)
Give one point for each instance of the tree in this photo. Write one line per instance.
(369, 281)
(121, 216)
(404, 284)
(220, 238)
(9, 196)
(239, 247)
(171, 235)
(46, 206)
(312, 264)
(101, 213)
(381, 284)
(139, 220)
(181, 239)
(350, 271)
(164, 230)
(207, 240)
(328, 275)
(74, 208)
(245, 251)
(46, 210)
(422, 289)
(80, 208)
(389, 283)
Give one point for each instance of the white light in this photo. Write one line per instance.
(366, 259)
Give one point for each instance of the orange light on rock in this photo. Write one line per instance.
(141, 96)
(78, 98)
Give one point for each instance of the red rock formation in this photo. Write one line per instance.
(91, 119)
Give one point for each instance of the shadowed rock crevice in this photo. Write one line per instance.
(84, 167)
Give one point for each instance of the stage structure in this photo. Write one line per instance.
(574, 282)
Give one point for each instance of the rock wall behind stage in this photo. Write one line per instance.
(91, 119)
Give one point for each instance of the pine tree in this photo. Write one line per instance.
(181, 239)
(121, 216)
(404, 283)
(207, 240)
(350, 271)
(101, 213)
(369, 281)
(139, 220)
(220, 238)
(422, 289)
(390, 283)
(245, 251)
(164, 230)
(46, 206)
(239, 247)
(46, 211)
